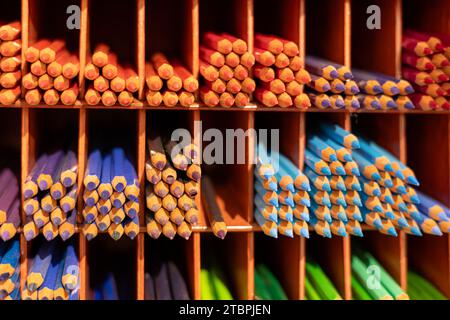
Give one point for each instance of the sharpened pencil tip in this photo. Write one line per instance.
(342, 232)
(326, 171)
(305, 202)
(305, 217)
(403, 207)
(357, 202)
(289, 233)
(65, 235)
(5, 236)
(327, 233)
(401, 190)
(395, 91)
(348, 157)
(378, 208)
(356, 187)
(377, 192)
(412, 180)
(377, 224)
(403, 223)
(328, 218)
(341, 202)
(358, 232)
(436, 231)
(304, 233)
(29, 235)
(305, 186)
(273, 186)
(334, 74)
(290, 187)
(376, 176)
(391, 231)
(326, 187)
(274, 202)
(89, 237)
(340, 171)
(442, 216)
(333, 158)
(132, 235)
(409, 90)
(354, 90)
(416, 231)
(355, 144)
(357, 217)
(375, 105)
(377, 89)
(273, 217)
(342, 216)
(221, 234)
(273, 233)
(326, 202)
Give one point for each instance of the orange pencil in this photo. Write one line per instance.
(234, 86)
(269, 43)
(282, 61)
(269, 99)
(240, 72)
(33, 97)
(48, 54)
(174, 83)
(209, 97)
(10, 48)
(10, 64)
(45, 82)
(212, 57)
(248, 60)
(92, 96)
(232, 60)
(109, 71)
(91, 71)
(100, 56)
(132, 82)
(241, 99)
(276, 86)
(154, 98)
(285, 75)
(32, 52)
(226, 73)
(239, 46)
(51, 97)
(284, 100)
(38, 68)
(302, 76)
(263, 57)
(69, 96)
(265, 74)
(10, 31)
(125, 98)
(290, 48)
(209, 72)
(101, 84)
(10, 79)
(118, 84)
(217, 86)
(295, 63)
(294, 88)
(9, 96)
(302, 101)
(170, 98)
(162, 65)
(190, 84)
(71, 68)
(248, 85)
(226, 100)
(186, 98)
(60, 83)
(217, 42)
(109, 98)
(153, 80)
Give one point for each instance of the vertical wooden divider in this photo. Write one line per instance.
(141, 149)
(84, 44)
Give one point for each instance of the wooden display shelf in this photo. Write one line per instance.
(343, 28)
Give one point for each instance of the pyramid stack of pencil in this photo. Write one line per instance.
(335, 199)
(387, 289)
(280, 73)
(108, 81)
(10, 62)
(169, 82)
(426, 64)
(165, 281)
(9, 205)
(383, 92)
(50, 196)
(331, 85)
(111, 195)
(318, 285)
(10, 270)
(52, 73)
(173, 177)
(226, 66)
(53, 273)
(281, 197)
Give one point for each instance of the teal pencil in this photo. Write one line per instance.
(316, 164)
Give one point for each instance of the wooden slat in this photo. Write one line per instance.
(84, 49)
(140, 45)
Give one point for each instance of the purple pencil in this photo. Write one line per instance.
(6, 200)
(30, 186)
(45, 178)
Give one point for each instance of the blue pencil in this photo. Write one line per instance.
(368, 169)
(105, 188)
(267, 226)
(321, 149)
(427, 225)
(370, 188)
(371, 203)
(320, 212)
(93, 170)
(352, 183)
(119, 181)
(41, 263)
(109, 287)
(342, 152)
(45, 291)
(353, 213)
(268, 212)
(132, 188)
(320, 227)
(386, 196)
(71, 269)
(432, 208)
(340, 136)
(10, 260)
(59, 292)
(316, 164)
(301, 213)
(320, 197)
(319, 181)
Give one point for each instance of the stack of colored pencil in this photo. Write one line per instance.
(335, 187)
(53, 73)
(106, 288)
(382, 287)
(109, 81)
(50, 196)
(420, 288)
(165, 282)
(111, 195)
(380, 91)
(169, 82)
(317, 284)
(53, 273)
(173, 177)
(10, 270)
(281, 196)
(9, 205)
(426, 63)
(267, 286)
(213, 281)
(331, 85)
(280, 73)
(226, 66)
(389, 198)
(10, 51)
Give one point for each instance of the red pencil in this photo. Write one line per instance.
(415, 46)
(264, 57)
(239, 45)
(269, 43)
(423, 102)
(217, 42)
(417, 77)
(268, 98)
